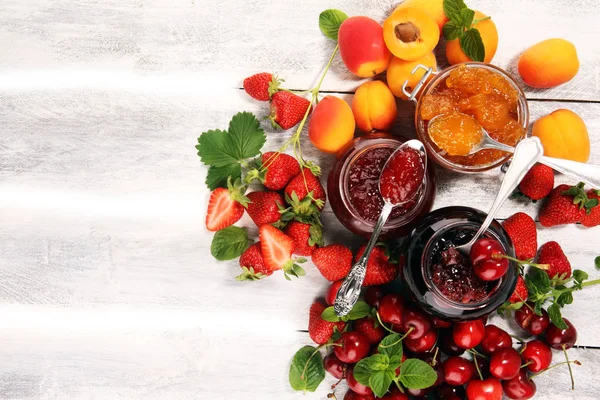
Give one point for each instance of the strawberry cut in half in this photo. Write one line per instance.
(225, 207)
(276, 248)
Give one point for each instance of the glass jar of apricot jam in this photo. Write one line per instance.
(484, 92)
(441, 279)
(353, 188)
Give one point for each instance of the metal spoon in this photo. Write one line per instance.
(348, 293)
(527, 153)
(588, 173)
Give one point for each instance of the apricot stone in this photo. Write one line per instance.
(563, 135)
(549, 63)
(410, 33)
(362, 47)
(374, 107)
(400, 71)
(331, 125)
(489, 37)
(435, 8)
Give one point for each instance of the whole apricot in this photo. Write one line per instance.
(435, 8)
(374, 107)
(489, 37)
(400, 71)
(362, 48)
(331, 126)
(410, 33)
(549, 63)
(563, 135)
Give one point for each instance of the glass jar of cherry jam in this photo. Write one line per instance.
(441, 279)
(353, 188)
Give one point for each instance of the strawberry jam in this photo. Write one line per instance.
(403, 176)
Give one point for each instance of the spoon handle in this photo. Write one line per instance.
(588, 173)
(348, 293)
(527, 153)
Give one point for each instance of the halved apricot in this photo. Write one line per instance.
(410, 33)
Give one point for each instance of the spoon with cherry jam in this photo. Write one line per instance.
(444, 129)
(401, 180)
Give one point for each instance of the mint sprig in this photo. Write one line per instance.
(360, 310)
(229, 243)
(461, 26)
(330, 22)
(307, 370)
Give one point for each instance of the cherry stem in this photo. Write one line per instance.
(477, 367)
(570, 369)
(527, 363)
(383, 325)
(476, 353)
(519, 339)
(412, 328)
(521, 262)
(557, 365)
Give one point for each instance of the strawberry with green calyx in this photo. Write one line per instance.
(306, 237)
(320, 330)
(593, 217)
(552, 254)
(538, 182)
(288, 109)
(276, 248)
(333, 261)
(275, 170)
(566, 205)
(264, 207)
(306, 184)
(262, 86)
(226, 206)
(305, 210)
(522, 231)
(253, 265)
(379, 269)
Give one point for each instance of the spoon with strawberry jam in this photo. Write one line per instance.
(401, 180)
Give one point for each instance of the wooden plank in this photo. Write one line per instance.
(220, 43)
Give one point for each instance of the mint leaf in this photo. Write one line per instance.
(565, 298)
(537, 281)
(452, 9)
(452, 30)
(417, 374)
(217, 176)
(229, 243)
(245, 135)
(466, 17)
(395, 362)
(597, 262)
(391, 345)
(362, 372)
(556, 316)
(380, 383)
(306, 371)
(330, 21)
(580, 276)
(213, 148)
(360, 310)
(378, 362)
(329, 315)
(472, 45)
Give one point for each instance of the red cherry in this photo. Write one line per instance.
(353, 384)
(448, 392)
(491, 270)
(530, 321)
(557, 338)
(391, 308)
(354, 347)
(418, 321)
(494, 339)
(441, 323)
(505, 363)
(468, 334)
(423, 344)
(538, 354)
(487, 389)
(395, 394)
(418, 393)
(520, 387)
(458, 371)
(334, 366)
(350, 395)
(373, 296)
(483, 250)
(447, 344)
(332, 292)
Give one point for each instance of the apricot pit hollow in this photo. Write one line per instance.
(410, 33)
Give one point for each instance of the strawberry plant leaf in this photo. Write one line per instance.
(452, 9)
(391, 345)
(417, 374)
(556, 316)
(362, 371)
(246, 137)
(213, 148)
(307, 370)
(380, 382)
(329, 315)
(452, 30)
(229, 243)
(217, 176)
(472, 45)
(330, 21)
(360, 310)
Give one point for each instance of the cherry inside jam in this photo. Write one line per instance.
(402, 176)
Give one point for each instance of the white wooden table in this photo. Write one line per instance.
(107, 286)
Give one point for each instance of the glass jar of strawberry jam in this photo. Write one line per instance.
(441, 279)
(484, 92)
(353, 188)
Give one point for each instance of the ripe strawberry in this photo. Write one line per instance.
(261, 86)
(379, 270)
(520, 294)
(264, 207)
(302, 185)
(253, 265)
(523, 233)
(306, 237)
(552, 254)
(565, 205)
(280, 168)
(593, 218)
(333, 261)
(538, 182)
(320, 331)
(369, 327)
(225, 207)
(276, 249)
(287, 109)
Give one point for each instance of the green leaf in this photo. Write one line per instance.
(556, 316)
(580, 275)
(597, 262)
(217, 176)
(565, 298)
(245, 135)
(229, 243)
(417, 374)
(360, 310)
(537, 281)
(472, 45)
(330, 21)
(395, 362)
(329, 315)
(452, 30)
(213, 148)
(362, 372)
(391, 345)
(452, 9)
(466, 16)
(378, 362)
(307, 371)
(380, 382)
